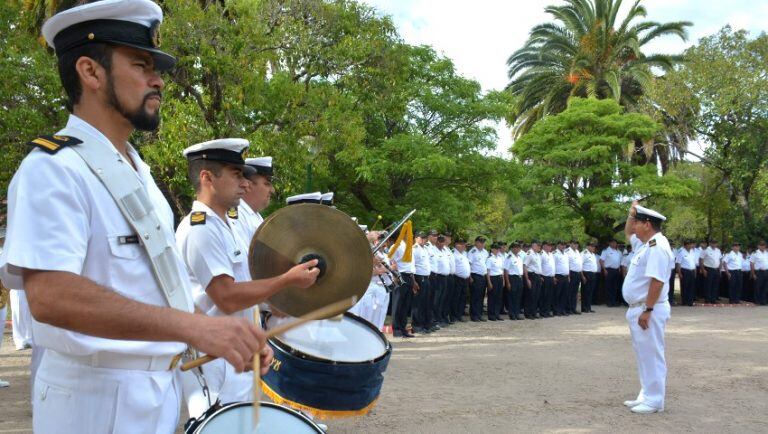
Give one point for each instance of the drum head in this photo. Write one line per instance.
(350, 340)
(273, 419)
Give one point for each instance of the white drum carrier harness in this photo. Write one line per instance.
(132, 199)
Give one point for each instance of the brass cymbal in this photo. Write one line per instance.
(295, 233)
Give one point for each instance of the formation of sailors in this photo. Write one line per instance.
(448, 281)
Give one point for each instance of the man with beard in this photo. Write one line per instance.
(218, 265)
(111, 314)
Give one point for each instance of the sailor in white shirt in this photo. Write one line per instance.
(610, 262)
(701, 281)
(562, 276)
(546, 298)
(451, 298)
(645, 289)
(422, 312)
(259, 191)
(218, 265)
(532, 280)
(732, 263)
(461, 278)
(710, 263)
(574, 276)
(110, 330)
(402, 297)
(495, 282)
(477, 265)
(686, 262)
(747, 286)
(444, 259)
(590, 270)
(759, 265)
(513, 280)
(436, 292)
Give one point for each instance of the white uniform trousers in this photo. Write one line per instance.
(223, 382)
(21, 319)
(71, 397)
(649, 352)
(34, 365)
(380, 305)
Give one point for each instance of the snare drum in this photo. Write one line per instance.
(328, 368)
(237, 418)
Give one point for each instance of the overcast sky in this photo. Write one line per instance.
(479, 35)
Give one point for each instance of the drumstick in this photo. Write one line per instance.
(256, 377)
(331, 309)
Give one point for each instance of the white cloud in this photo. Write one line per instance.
(480, 35)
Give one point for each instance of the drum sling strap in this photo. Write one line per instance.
(130, 196)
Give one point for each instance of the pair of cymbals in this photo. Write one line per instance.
(302, 232)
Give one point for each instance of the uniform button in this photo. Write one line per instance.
(146, 236)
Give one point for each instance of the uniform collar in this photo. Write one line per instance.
(76, 123)
(247, 208)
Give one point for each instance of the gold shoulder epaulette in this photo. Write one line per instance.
(53, 144)
(232, 213)
(197, 218)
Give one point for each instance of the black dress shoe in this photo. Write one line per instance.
(474, 320)
(462, 319)
(499, 319)
(530, 317)
(408, 335)
(483, 320)
(491, 319)
(577, 313)
(397, 334)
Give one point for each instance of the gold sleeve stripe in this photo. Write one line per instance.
(46, 144)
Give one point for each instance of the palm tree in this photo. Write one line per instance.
(586, 52)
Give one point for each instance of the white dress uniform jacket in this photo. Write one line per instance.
(433, 254)
(574, 260)
(403, 266)
(712, 257)
(495, 264)
(421, 261)
(443, 258)
(687, 259)
(759, 259)
(547, 264)
(561, 263)
(589, 262)
(733, 261)
(513, 265)
(477, 258)
(461, 263)
(611, 258)
(533, 262)
(651, 261)
(62, 218)
(246, 223)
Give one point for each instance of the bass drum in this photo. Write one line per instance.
(237, 418)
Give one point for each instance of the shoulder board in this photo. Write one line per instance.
(232, 213)
(197, 218)
(651, 243)
(53, 144)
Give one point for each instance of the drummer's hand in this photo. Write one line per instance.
(234, 339)
(303, 275)
(265, 359)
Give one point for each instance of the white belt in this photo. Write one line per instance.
(122, 361)
(642, 303)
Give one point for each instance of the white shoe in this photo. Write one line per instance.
(634, 403)
(4, 383)
(645, 409)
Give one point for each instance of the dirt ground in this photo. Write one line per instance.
(555, 375)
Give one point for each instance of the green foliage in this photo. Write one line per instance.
(726, 76)
(588, 52)
(31, 99)
(577, 165)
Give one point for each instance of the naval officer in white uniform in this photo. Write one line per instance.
(218, 264)
(646, 289)
(100, 313)
(258, 193)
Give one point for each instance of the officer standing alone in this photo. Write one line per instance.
(646, 290)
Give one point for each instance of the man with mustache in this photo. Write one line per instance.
(111, 314)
